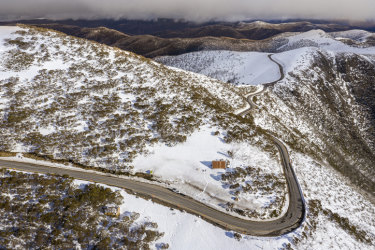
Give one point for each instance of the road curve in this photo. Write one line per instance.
(249, 98)
(297, 208)
(281, 70)
(287, 223)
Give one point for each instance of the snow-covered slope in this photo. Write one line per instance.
(357, 35)
(253, 68)
(78, 86)
(243, 68)
(324, 111)
(319, 231)
(326, 41)
(331, 98)
(324, 104)
(187, 166)
(96, 106)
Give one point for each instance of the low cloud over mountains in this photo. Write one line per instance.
(193, 10)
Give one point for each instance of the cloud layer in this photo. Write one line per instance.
(193, 10)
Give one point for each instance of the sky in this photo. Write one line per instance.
(192, 10)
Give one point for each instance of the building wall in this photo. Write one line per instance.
(218, 164)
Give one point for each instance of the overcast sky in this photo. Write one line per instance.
(193, 10)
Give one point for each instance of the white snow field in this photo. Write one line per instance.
(327, 41)
(357, 35)
(187, 167)
(242, 68)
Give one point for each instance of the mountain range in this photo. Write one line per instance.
(168, 37)
(160, 104)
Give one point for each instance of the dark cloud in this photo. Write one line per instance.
(194, 10)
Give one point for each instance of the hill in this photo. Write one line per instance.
(102, 108)
(327, 89)
(150, 45)
(67, 99)
(166, 37)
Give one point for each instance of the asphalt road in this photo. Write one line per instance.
(280, 69)
(250, 96)
(287, 223)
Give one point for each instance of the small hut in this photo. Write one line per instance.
(219, 164)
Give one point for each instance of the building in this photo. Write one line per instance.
(219, 164)
(112, 211)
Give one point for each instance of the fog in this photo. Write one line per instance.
(192, 10)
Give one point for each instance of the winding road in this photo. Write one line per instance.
(287, 223)
(249, 97)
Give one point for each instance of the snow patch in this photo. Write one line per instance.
(243, 68)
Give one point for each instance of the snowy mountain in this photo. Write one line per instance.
(328, 89)
(70, 100)
(228, 66)
(152, 39)
(323, 108)
(252, 68)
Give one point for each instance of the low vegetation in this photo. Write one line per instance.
(339, 127)
(315, 215)
(101, 107)
(252, 181)
(42, 211)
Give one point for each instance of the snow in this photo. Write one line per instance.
(46, 131)
(178, 225)
(260, 23)
(185, 231)
(337, 194)
(244, 68)
(254, 68)
(179, 167)
(63, 59)
(293, 59)
(6, 32)
(358, 35)
(324, 41)
(188, 165)
(260, 88)
(200, 145)
(318, 181)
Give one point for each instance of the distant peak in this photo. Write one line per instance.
(261, 23)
